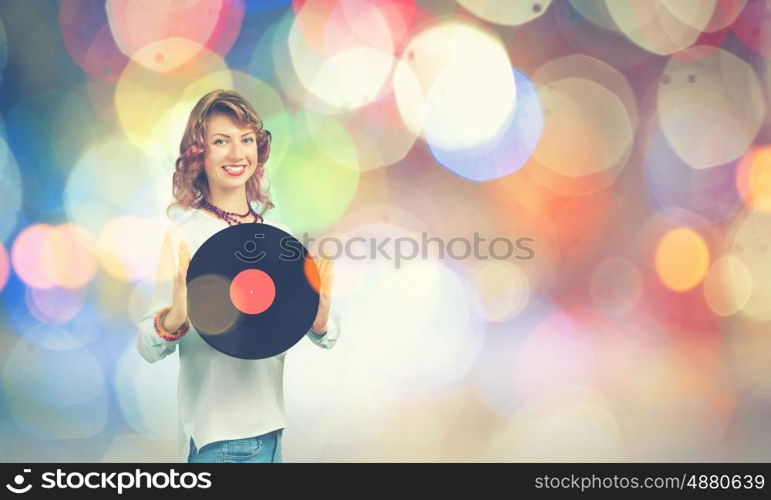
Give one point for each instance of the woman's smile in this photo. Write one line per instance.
(234, 170)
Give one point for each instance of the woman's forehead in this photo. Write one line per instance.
(221, 123)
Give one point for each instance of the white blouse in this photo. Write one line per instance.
(220, 397)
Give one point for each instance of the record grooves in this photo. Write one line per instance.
(252, 291)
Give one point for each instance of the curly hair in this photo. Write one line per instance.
(190, 183)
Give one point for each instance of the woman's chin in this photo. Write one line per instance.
(233, 182)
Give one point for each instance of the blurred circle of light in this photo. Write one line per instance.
(506, 13)
(380, 136)
(163, 35)
(587, 128)
(123, 249)
(275, 42)
(329, 136)
(494, 374)
(143, 96)
(670, 182)
(753, 178)
(88, 40)
(54, 306)
(164, 139)
(661, 26)
(54, 387)
(454, 83)
(147, 406)
(727, 286)
(27, 256)
(212, 317)
(572, 423)
(750, 244)
(351, 271)
(347, 64)
(400, 17)
(10, 191)
(5, 267)
(67, 258)
(317, 179)
(682, 259)
(503, 290)
(559, 351)
(615, 286)
(509, 150)
(596, 70)
(601, 73)
(111, 179)
(356, 231)
(428, 341)
(266, 100)
(715, 100)
(228, 28)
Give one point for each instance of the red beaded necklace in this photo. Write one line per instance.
(229, 217)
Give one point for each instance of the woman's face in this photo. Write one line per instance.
(230, 156)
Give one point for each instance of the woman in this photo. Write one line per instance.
(231, 410)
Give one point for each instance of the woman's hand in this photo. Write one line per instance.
(178, 314)
(325, 295)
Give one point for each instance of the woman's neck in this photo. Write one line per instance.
(233, 200)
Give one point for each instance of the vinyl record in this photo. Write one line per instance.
(252, 291)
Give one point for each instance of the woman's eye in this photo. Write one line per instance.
(249, 139)
(217, 142)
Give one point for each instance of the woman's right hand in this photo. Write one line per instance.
(178, 313)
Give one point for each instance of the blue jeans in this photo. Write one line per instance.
(258, 449)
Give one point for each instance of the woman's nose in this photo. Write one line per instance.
(234, 152)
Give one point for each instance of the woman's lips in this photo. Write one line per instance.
(234, 170)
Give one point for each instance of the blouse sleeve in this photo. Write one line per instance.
(149, 344)
(329, 339)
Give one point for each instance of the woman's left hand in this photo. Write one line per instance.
(325, 294)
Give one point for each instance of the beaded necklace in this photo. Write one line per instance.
(229, 217)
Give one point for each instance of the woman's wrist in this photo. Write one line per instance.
(170, 328)
(172, 324)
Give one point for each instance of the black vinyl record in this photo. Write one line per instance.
(252, 291)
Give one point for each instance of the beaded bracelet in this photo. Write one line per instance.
(161, 331)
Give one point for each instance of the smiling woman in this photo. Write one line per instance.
(231, 409)
(223, 150)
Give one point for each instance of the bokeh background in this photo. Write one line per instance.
(630, 139)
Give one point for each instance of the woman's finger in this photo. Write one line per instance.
(322, 265)
(184, 258)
